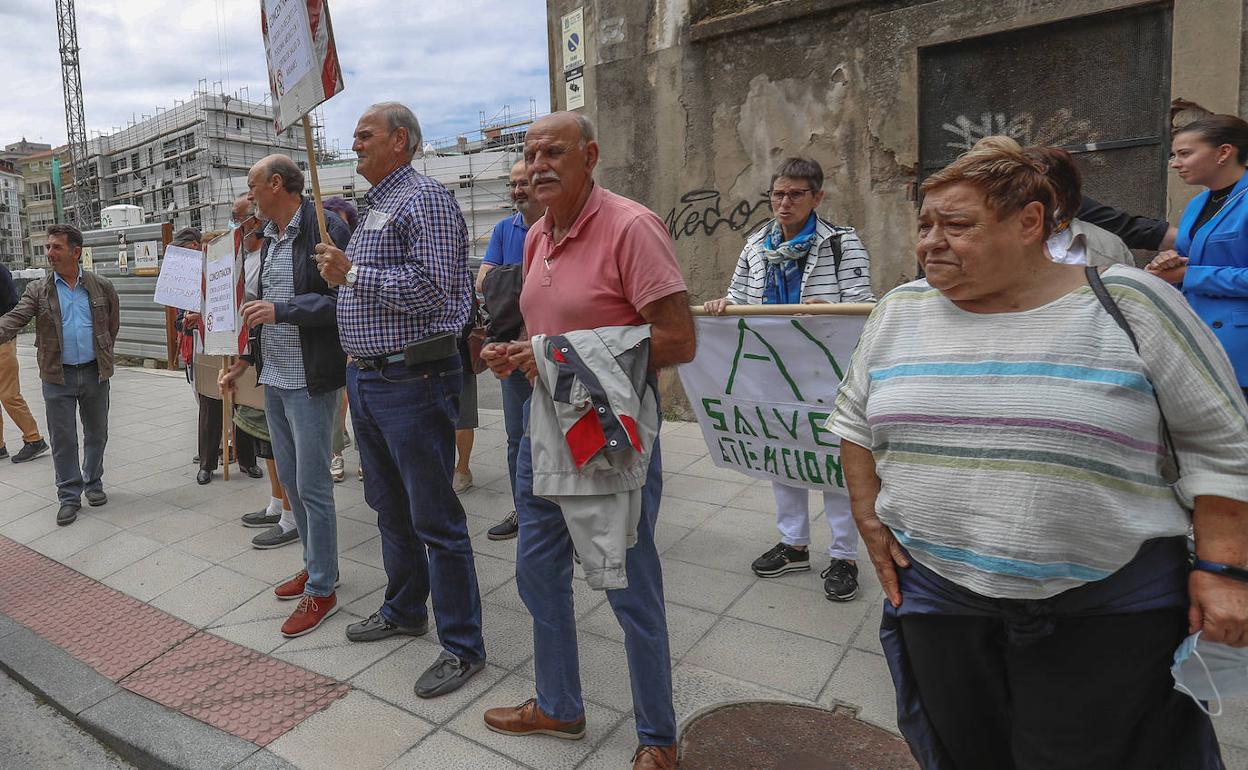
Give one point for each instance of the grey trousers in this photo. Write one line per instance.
(83, 392)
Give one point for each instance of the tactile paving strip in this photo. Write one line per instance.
(156, 655)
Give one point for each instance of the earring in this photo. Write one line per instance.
(1222, 162)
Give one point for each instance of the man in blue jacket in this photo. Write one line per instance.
(300, 363)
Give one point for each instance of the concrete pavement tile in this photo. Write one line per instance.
(695, 688)
(8, 625)
(175, 525)
(490, 503)
(758, 526)
(142, 730)
(352, 533)
(1234, 758)
(508, 635)
(359, 512)
(694, 488)
(67, 541)
(232, 500)
(499, 549)
(270, 566)
(685, 626)
(1232, 726)
(32, 526)
(264, 760)
(127, 509)
(151, 576)
(667, 534)
(190, 494)
(55, 674)
(209, 595)
(448, 751)
(357, 731)
(333, 633)
(675, 462)
(542, 751)
(493, 572)
(684, 513)
(393, 678)
(358, 580)
(218, 544)
(261, 635)
(604, 672)
(107, 556)
(342, 662)
(862, 680)
(367, 552)
(159, 483)
(867, 638)
(716, 548)
(793, 664)
(14, 503)
(802, 612)
(674, 441)
(702, 588)
(367, 604)
(707, 469)
(264, 607)
(36, 477)
(617, 750)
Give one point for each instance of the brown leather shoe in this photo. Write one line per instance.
(655, 758)
(528, 719)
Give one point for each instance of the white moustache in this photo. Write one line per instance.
(545, 176)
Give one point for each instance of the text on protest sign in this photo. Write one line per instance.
(762, 388)
(225, 333)
(180, 281)
(302, 57)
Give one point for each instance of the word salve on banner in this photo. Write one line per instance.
(302, 56)
(763, 387)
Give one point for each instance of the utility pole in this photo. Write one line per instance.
(82, 194)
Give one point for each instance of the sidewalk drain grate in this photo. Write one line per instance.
(758, 735)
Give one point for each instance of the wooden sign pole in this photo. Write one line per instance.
(316, 180)
(227, 422)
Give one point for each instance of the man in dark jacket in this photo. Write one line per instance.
(11, 385)
(300, 363)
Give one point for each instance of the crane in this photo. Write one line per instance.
(82, 194)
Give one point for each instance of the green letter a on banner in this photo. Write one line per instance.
(772, 357)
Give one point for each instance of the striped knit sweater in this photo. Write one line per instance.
(1021, 454)
(820, 280)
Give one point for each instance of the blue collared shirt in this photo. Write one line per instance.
(507, 242)
(411, 255)
(77, 330)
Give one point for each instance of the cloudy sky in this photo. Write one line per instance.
(447, 59)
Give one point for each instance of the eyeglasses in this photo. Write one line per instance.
(517, 185)
(778, 196)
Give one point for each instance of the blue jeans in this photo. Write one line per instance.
(301, 428)
(404, 419)
(82, 392)
(544, 577)
(516, 392)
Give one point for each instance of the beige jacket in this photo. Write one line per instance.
(41, 302)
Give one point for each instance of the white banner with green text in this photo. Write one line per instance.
(762, 388)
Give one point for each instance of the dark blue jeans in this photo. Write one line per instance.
(544, 577)
(404, 420)
(82, 392)
(516, 392)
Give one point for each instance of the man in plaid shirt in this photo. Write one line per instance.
(404, 286)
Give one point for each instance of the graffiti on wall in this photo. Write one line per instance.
(1060, 128)
(703, 212)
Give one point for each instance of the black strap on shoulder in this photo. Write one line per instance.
(837, 254)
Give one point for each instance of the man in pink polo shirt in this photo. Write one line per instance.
(595, 259)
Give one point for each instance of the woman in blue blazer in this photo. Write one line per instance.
(1210, 261)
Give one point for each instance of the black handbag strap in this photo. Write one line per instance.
(1115, 312)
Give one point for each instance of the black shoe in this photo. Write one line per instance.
(195, 460)
(67, 514)
(274, 537)
(506, 529)
(781, 559)
(4, 451)
(254, 471)
(840, 581)
(203, 477)
(447, 674)
(30, 451)
(376, 627)
(261, 519)
(95, 497)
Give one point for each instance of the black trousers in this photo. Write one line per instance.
(1096, 693)
(210, 416)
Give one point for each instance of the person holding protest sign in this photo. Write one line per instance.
(797, 257)
(595, 259)
(405, 296)
(1026, 445)
(77, 316)
(300, 363)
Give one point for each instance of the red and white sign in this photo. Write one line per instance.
(303, 60)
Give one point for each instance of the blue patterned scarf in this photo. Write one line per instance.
(786, 263)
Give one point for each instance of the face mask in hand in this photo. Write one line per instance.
(1208, 671)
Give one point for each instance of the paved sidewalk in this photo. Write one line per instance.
(179, 548)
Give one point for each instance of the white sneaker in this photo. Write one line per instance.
(461, 482)
(338, 468)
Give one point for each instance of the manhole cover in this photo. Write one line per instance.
(765, 736)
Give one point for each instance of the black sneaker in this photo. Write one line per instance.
(375, 627)
(261, 519)
(4, 451)
(840, 581)
(30, 451)
(506, 529)
(781, 559)
(447, 674)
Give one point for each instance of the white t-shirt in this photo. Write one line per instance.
(1063, 249)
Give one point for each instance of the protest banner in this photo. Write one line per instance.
(224, 332)
(303, 70)
(180, 282)
(762, 387)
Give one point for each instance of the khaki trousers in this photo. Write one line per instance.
(11, 395)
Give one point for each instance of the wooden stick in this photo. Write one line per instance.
(316, 181)
(227, 422)
(842, 308)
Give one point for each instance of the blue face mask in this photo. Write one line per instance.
(1208, 671)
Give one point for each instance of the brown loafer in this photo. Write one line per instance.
(655, 758)
(528, 719)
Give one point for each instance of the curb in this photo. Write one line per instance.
(143, 732)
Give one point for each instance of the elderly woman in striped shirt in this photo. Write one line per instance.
(1006, 457)
(794, 258)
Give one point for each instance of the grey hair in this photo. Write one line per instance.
(587, 128)
(800, 168)
(292, 177)
(399, 116)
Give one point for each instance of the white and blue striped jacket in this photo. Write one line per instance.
(821, 279)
